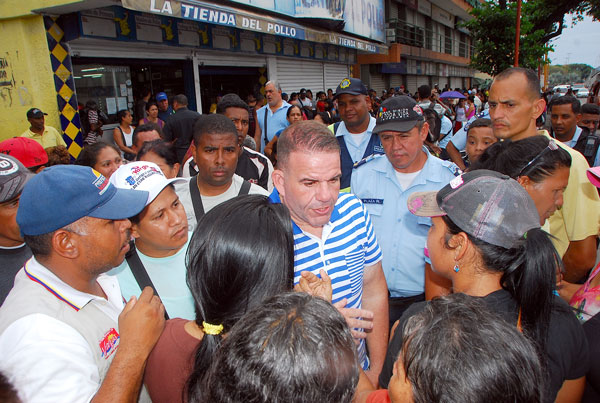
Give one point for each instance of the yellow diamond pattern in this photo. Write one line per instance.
(71, 131)
(69, 112)
(65, 92)
(59, 52)
(56, 32)
(74, 149)
(62, 72)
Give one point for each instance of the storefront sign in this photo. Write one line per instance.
(394, 68)
(442, 16)
(425, 7)
(226, 16)
(362, 17)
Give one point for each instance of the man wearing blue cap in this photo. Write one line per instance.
(355, 132)
(384, 184)
(66, 333)
(164, 110)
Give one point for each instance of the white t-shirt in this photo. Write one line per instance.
(208, 202)
(406, 179)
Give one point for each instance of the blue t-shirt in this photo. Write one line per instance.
(168, 274)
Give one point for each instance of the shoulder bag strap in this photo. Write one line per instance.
(265, 124)
(196, 198)
(140, 273)
(245, 188)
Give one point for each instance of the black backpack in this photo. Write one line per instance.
(588, 145)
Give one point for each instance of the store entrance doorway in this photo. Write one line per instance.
(216, 81)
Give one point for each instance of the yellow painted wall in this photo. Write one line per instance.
(18, 8)
(25, 64)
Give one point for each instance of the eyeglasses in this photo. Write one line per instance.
(552, 146)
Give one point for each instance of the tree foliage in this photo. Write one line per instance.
(568, 74)
(493, 30)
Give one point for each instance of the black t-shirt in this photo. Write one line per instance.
(567, 346)
(592, 381)
(11, 261)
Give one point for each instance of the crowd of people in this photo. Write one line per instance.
(350, 247)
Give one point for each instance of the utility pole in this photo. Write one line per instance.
(518, 33)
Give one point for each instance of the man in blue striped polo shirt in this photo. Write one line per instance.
(333, 232)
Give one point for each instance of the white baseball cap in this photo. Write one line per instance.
(142, 175)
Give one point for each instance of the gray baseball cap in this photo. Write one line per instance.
(485, 204)
(13, 176)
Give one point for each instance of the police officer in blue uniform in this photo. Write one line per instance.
(384, 183)
(355, 132)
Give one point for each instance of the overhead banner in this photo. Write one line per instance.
(230, 17)
(364, 18)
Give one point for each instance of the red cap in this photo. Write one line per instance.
(26, 150)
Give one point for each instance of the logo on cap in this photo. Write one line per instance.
(456, 182)
(7, 167)
(345, 83)
(100, 182)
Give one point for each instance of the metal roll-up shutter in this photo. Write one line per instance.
(396, 80)
(378, 83)
(456, 82)
(294, 74)
(441, 82)
(422, 80)
(411, 84)
(334, 74)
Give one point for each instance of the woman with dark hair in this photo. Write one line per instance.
(152, 115)
(103, 157)
(537, 163)
(242, 252)
(486, 239)
(294, 114)
(460, 111)
(293, 348)
(123, 134)
(162, 154)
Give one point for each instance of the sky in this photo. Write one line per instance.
(578, 44)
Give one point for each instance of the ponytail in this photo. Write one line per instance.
(202, 360)
(528, 274)
(531, 280)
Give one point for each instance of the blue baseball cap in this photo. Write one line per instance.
(62, 194)
(161, 96)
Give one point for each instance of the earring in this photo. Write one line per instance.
(456, 268)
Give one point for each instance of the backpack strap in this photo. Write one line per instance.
(265, 124)
(245, 188)
(588, 145)
(196, 198)
(139, 272)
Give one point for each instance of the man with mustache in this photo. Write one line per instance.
(157, 258)
(515, 104)
(271, 118)
(66, 333)
(333, 233)
(216, 150)
(385, 182)
(565, 115)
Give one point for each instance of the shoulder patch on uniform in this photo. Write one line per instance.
(365, 160)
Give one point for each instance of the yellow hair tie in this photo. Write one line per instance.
(212, 329)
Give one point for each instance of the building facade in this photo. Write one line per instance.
(427, 45)
(68, 52)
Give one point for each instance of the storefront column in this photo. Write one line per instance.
(65, 87)
(196, 63)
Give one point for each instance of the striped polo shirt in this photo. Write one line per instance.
(347, 245)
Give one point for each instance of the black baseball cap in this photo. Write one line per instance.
(398, 114)
(35, 113)
(352, 86)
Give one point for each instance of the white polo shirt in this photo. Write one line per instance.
(44, 358)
